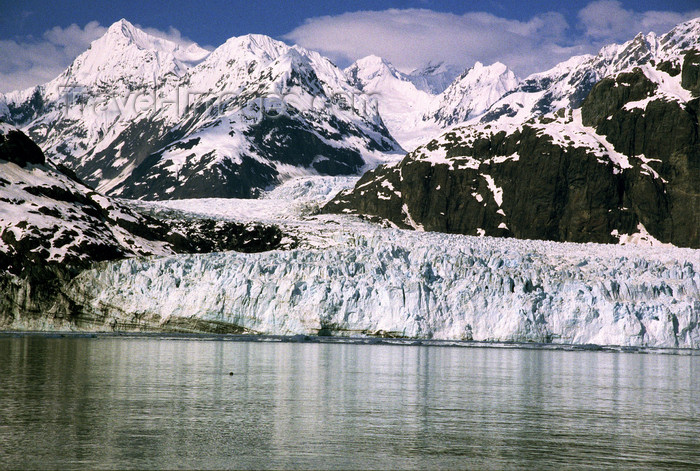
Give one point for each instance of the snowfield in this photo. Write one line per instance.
(350, 277)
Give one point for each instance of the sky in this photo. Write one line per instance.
(39, 39)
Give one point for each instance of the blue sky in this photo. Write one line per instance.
(38, 38)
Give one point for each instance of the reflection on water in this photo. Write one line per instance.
(145, 403)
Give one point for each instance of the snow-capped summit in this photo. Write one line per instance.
(124, 33)
(471, 94)
(123, 60)
(127, 58)
(371, 69)
(248, 47)
(399, 102)
(235, 63)
(414, 115)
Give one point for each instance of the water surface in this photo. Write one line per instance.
(173, 403)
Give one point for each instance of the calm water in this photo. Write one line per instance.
(156, 403)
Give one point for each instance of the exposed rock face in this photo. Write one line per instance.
(690, 79)
(667, 136)
(17, 148)
(628, 157)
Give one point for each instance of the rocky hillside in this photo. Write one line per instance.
(140, 117)
(625, 164)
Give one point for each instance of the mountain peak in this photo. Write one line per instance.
(123, 27)
(372, 65)
(479, 69)
(123, 33)
(373, 60)
(126, 57)
(256, 45)
(472, 93)
(370, 68)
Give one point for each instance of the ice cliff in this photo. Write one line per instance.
(422, 285)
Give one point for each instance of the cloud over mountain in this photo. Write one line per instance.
(409, 38)
(30, 61)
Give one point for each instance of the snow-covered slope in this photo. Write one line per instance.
(146, 118)
(412, 115)
(567, 84)
(46, 216)
(401, 105)
(471, 94)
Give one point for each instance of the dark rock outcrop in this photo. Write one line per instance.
(17, 148)
(690, 75)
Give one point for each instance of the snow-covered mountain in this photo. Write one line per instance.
(141, 117)
(569, 155)
(567, 84)
(125, 59)
(414, 115)
(471, 94)
(399, 102)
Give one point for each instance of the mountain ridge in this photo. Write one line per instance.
(413, 115)
(129, 115)
(621, 162)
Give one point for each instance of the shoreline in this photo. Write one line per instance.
(339, 340)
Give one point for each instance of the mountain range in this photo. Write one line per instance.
(410, 106)
(601, 148)
(137, 117)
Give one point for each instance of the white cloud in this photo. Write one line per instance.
(411, 38)
(605, 21)
(29, 62)
(171, 34)
(32, 61)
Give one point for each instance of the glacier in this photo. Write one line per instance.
(349, 277)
